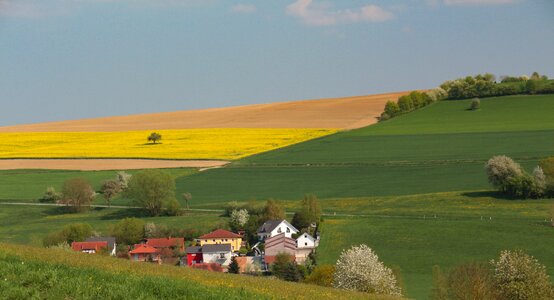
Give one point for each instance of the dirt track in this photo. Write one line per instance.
(105, 164)
(347, 113)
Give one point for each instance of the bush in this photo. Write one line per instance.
(520, 276)
(547, 166)
(239, 218)
(392, 109)
(500, 169)
(70, 233)
(475, 104)
(173, 208)
(285, 268)
(50, 196)
(321, 275)
(471, 281)
(359, 269)
(128, 231)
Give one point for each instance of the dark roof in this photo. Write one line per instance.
(109, 239)
(216, 248)
(194, 249)
(268, 226)
(220, 233)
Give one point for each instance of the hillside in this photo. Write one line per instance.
(439, 148)
(347, 112)
(27, 272)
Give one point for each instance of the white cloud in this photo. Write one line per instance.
(322, 14)
(477, 2)
(243, 8)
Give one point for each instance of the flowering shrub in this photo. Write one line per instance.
(359, 269)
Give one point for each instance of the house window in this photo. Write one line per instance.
(279, 230)
(288, 230)
(305, 244)
(221, 255)
(206, 241)
(213, 240)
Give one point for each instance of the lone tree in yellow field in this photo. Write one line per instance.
(154, 137)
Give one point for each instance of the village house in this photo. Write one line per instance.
(279, 244)
(211, 253)
(89, 247)
(305, 245)
(143, 252)
(275, 227)
(221, 237)
(108, 239)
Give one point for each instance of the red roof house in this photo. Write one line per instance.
(171, 243)
(221, 233)
(89, 247)
(143, 252)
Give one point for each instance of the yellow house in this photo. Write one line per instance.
(221, 236)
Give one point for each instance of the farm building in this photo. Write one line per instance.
(221, 237)
(112, 246)
(89, 247)
(279, 244)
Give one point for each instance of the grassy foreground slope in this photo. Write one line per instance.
(54, 273)
(439, 148)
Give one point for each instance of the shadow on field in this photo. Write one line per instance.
(491, 194)
(122, 213)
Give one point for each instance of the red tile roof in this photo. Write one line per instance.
(80, 246)
(221, 233)
(143, 249)
(165, 242)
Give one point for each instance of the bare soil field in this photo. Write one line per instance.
(345, 113)
(106, 164)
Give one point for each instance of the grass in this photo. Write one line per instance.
(46, 273)
(29, 185)
(226, 144)
(30, 224)
(415, 245)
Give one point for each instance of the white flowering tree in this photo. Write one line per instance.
(520, 276)
(501, 168)
(359, 269)
(239, 218)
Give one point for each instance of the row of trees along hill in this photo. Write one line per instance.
(411, 102)
(153, 190)
(485, 85)
(510, 178)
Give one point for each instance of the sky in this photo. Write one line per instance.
(73, 59)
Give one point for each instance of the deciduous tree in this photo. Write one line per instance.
(77, 194)
(150, 189)
(110, 189)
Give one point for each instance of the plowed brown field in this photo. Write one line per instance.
(347, 113)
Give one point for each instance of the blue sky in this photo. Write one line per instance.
(71, 59)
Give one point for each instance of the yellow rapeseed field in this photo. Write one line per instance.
(224, 144)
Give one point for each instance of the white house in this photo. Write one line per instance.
(305, 241)
(220, 254)
(274, 227)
